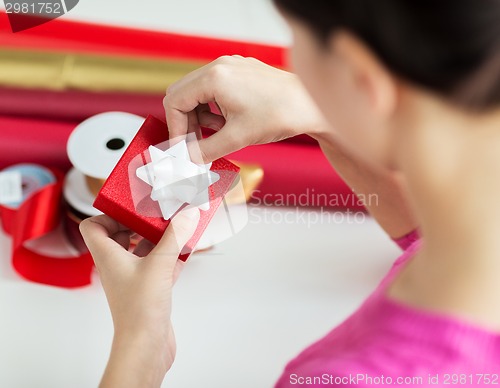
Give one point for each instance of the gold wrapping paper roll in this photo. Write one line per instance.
(95, 73)
(251, 176)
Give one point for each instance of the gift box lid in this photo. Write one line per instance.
(116, 196)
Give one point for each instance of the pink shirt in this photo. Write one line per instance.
(388, 343)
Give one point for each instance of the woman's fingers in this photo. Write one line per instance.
(104, 236)
(122, 238)
(207, 85)
(208, 119)
(218, 145)
(178, 233)
(257, 104)
(100, 234)
(144, 248)
(184, 97)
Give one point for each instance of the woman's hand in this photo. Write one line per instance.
(260, 104)
(138, 287)
(256, 104)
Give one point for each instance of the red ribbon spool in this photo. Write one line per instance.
(39, 215)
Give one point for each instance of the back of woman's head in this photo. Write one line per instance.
(451, 47)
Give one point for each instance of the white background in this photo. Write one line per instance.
(242, 310)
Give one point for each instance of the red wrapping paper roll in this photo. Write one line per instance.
(42, 142)
(76, 37)
(297, 175)
(294, 169)
(63, 35)
(75, 106)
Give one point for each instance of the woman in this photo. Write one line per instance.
(404, 99)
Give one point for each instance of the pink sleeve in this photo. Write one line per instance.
(406, 241)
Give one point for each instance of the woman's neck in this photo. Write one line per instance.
(452, 162)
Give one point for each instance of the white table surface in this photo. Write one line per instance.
(242, 310)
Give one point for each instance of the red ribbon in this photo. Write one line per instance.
(39, 215)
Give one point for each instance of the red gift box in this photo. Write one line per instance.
(116, 196)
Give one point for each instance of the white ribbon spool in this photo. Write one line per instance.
(97, 144)
(94, 148)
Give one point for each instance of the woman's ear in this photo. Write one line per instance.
(370, 76)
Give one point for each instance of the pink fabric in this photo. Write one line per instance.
(385, 341)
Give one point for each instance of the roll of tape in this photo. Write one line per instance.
(32, 179)
(97, 144)
(23, 180)
(40, 250)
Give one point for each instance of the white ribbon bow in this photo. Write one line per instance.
(176, 180)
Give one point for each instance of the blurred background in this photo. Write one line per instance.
(255, 20)
(219, 18)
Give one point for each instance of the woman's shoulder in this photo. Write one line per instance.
(383, 343)
(387, 338)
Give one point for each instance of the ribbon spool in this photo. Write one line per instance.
(30, 179)
(94, 148)
(34, 222)
(97, 144)
(79, 201)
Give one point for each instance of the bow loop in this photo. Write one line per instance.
(176, 180)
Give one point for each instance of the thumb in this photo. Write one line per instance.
(106, 239)
(178, 233)
(218, 145)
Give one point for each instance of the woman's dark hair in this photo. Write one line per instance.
(451, 47)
